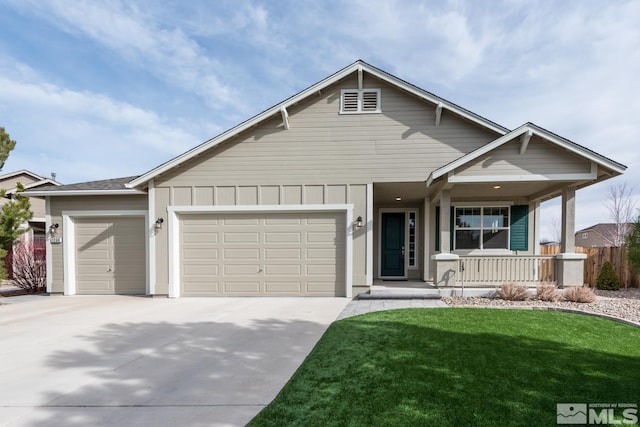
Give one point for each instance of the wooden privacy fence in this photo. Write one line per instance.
(596, 257)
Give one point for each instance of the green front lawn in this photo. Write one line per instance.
(459, 367)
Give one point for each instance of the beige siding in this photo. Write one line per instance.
(324, 147)
(88, 203)
(540, 158)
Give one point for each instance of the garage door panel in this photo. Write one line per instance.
(200, 270)
(241, 237)
(241, 269)
(283, 270)
(242, 287)
(283, 220)
(241, 254)
(282, 253)
(264, 253)
(321, 237)
(282, 237)
(283, 287)
(201, 254)
(199, 237)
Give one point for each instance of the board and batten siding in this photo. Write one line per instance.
(540, 158)
(401, 144)
(83, 203)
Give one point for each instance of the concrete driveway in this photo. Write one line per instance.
(120, 361)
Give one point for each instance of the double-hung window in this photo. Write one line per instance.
(482, 228)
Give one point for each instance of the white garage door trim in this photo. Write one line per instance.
(174, 233)
(69, 244)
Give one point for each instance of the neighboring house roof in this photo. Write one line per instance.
(359, 67)
(528, 129)
(602, 228)
(102, 187)
(45, 182)
(21, 172)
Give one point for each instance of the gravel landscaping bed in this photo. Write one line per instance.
(623, 304)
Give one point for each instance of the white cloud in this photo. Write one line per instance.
(81, 134)
(126, 30)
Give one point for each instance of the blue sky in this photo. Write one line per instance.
(101, 89)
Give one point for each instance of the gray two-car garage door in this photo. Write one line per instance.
(242, 254)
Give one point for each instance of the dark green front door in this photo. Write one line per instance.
(392, 244)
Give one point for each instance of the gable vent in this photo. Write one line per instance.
(354, 101)
(350, 101)
(369, 101)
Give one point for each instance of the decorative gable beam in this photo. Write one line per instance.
(438, 113)
(360, 78)
(285, 118)
(524, 141)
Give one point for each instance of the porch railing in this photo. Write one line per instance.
(496, 270)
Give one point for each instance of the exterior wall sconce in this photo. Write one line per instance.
(159, 222)
(359, 222)
(53, 228)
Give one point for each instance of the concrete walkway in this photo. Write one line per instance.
(362, 306)
(125, 361)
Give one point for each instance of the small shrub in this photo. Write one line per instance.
(608, 279)
(29, 268)
(579, 294)
(548, 292)
(512, 292)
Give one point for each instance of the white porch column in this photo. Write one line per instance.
(445, 263)
(568, 242)
(570, 265)
(445, 219)
(426, 242)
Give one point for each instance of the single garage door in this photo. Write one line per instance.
(275, 254)
(110, 255)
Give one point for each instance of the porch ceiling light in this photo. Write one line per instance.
(496, 187)
(398, 199)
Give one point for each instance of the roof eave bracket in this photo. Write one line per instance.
(285, 118)
(524, 141)
(438, 113)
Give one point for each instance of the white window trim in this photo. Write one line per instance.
(69, 245)
(491, 251)
(174, 212)
(360, 101)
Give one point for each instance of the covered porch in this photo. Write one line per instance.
(477, 219)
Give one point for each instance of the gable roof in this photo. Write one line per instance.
(534, 130)
(42, 183)
(90, 188)
(21, 172)
(356, 67)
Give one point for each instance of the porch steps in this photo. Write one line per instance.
(380, 292)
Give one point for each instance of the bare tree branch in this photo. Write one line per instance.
(621, 208)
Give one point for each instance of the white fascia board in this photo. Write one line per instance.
(127, 191)
(523, 178)
(318, 87)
